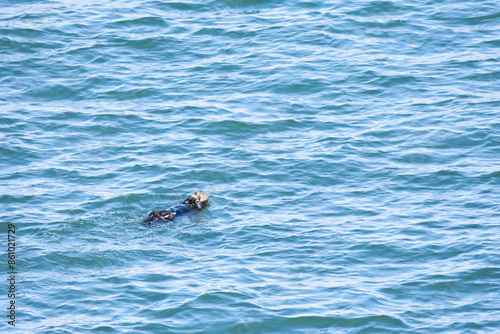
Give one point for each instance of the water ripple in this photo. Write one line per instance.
(349, 151)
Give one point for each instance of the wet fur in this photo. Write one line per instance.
(192, 205)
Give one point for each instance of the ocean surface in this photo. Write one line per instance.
(350, 149)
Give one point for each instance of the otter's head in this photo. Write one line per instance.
(198, 200)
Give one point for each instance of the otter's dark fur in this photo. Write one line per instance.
(194, 204)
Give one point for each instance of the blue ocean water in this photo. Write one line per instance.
(350, 151)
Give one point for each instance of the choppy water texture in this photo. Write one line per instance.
(350, 150)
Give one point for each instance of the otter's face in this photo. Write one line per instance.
(198, 200)
(201, 197)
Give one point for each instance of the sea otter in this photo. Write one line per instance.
(194, 204)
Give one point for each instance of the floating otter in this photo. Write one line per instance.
(194, 204)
